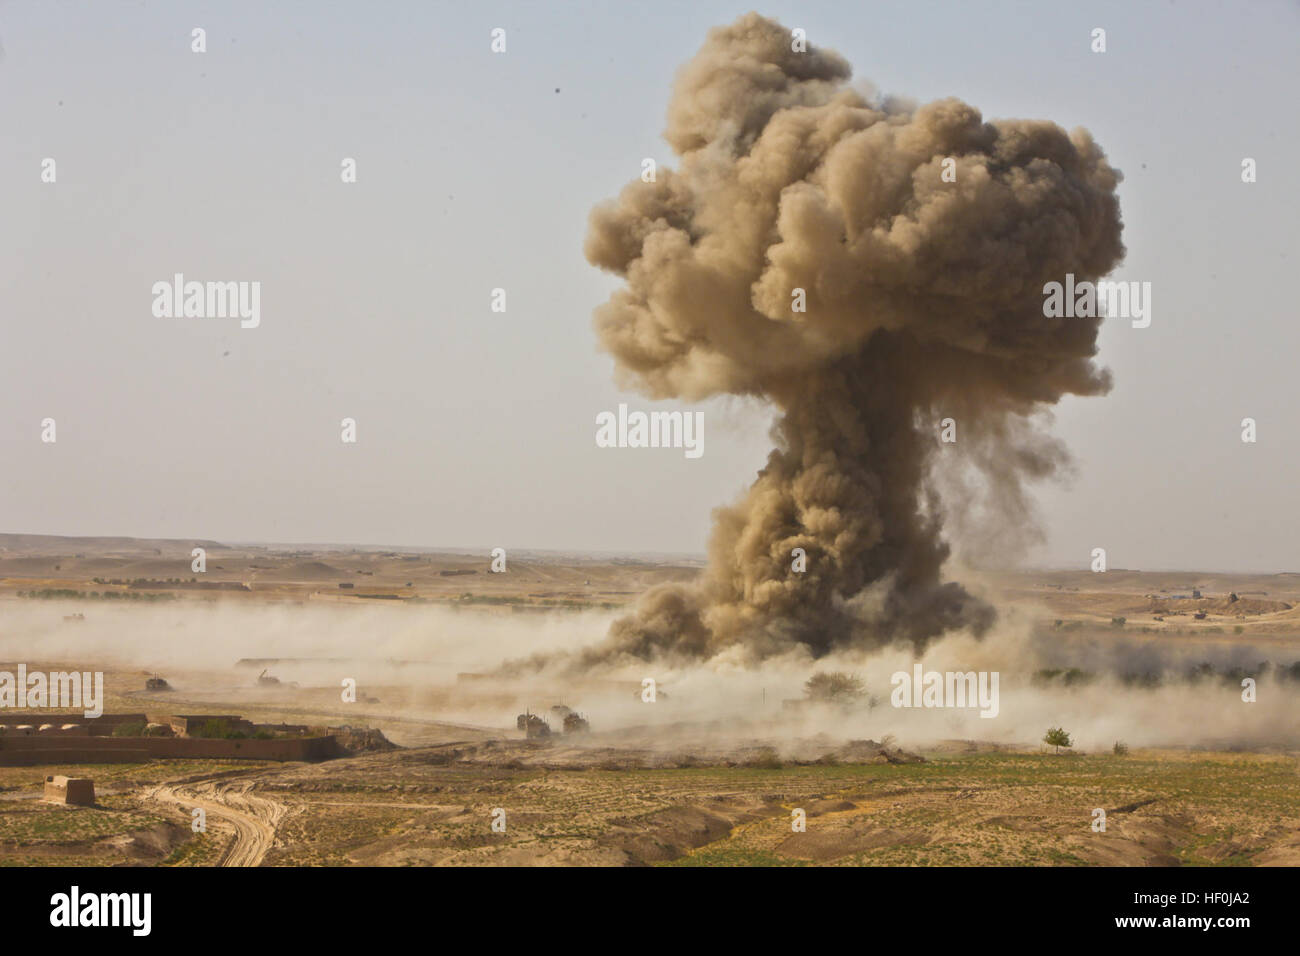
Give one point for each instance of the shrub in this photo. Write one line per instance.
(219, 730)
(1058, 738)
(765, 759)
(211, 728)
(134, 729)
(1120, 749)
(833, 687)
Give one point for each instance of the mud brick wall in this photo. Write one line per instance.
(101, 726)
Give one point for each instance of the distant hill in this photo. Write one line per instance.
(61, 545)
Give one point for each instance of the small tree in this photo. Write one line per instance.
(1058, 738)
(1120, 749)
(833, 687)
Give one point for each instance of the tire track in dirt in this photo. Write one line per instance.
(253, 819)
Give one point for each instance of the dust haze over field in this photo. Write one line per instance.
(412, 658)
(405, 651)
(924, 301)
(422, 635)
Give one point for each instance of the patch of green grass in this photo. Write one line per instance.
(202, 850)
(732, 856)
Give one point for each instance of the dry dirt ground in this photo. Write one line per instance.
(960, 808)
(1267, 605)
(563, 805)
(609, 801)
(130, 567)
(228, 801)
(123, 828)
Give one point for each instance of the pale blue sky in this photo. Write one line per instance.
(478, 428)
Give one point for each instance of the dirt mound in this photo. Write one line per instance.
(817, 808)
(825, 845)
(359, 740)
(674, 831)
(305, 571)
(869, 751)
(151, 845)
(1227, 605)
(667, 834)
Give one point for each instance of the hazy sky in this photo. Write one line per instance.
(477, 428)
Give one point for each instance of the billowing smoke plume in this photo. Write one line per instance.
(924, 301)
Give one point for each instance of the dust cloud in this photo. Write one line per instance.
(922, 301)
(417, 660)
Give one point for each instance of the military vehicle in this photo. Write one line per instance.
(532, 725)
(572, 721)
(575, 723)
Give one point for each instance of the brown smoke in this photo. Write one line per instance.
(923, 301)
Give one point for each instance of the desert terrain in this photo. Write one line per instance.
(1143, 669)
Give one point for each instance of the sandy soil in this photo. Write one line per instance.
(229, 802)
(687, 790)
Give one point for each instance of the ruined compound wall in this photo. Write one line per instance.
(101, 726)
(77, 791)
(44, 730)
(193, 723)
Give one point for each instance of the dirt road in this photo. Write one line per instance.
(229, 801)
